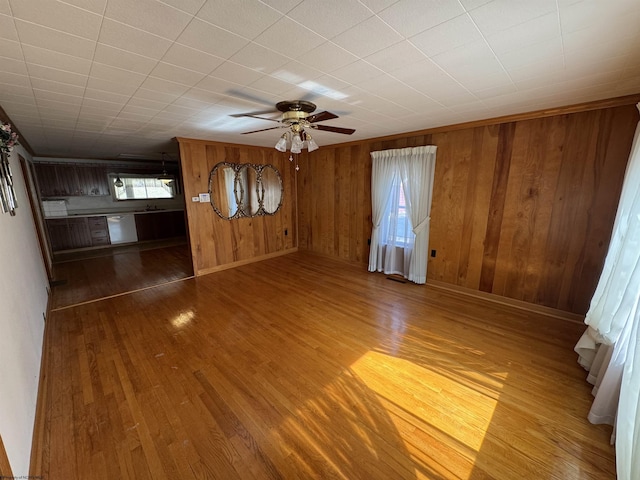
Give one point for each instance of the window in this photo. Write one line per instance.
(396, 224)
(140, 187)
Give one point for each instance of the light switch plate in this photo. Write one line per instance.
(205, 198)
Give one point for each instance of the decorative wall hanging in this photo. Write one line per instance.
(8, 140)
(245, 190)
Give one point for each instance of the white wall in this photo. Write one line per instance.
(23, 300)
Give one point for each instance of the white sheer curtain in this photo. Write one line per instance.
(610, 348)
(383, 172)
(417, 172)
(412, 170)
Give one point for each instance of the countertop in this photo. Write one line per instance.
(109, 213)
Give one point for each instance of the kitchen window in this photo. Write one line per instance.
(139, 187)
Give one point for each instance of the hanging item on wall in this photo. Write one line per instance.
(8, 140)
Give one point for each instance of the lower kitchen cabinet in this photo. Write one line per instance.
(160, 225)
(81, 232)
(99, 231)
(68, 233)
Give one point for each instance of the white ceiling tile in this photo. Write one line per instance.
(247, 18)
(9, 49)
(192, 59)
(149, 15)
(8, 28)
(486, 82)
(605, 39)
(326, 86)
(58, 107)
(109, 86)
(451, 34)
(594, 13)
(533, 32)
(164, 86)
(553, 66)
(211, 39)
(113, 97)
(59, 61)
(23, 93)
(98, 108)
(469, 61)
(189, 6)
(123, 59)
(195, 96)
(367, 37)
(471, 4)
(396, 56)
(235, 74)
(357, 72)
(410, 17)
(62, 76)
(94, 6)
(64, 88)
(277, 38)
(369, 74)
(154, 96)
(295, 73)
(58, 16)
(175, 74)
(530, 54)
(259, 58)
(501, 15)
(378, 5)
(268, 83)
(327, 57)
(43, 37)
(131, 39)
(11, 65)
(330, 17)
(57, 97)
(140, 111)
(117, 75)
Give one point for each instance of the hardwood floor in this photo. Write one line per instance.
(94, 274)
(306, 367)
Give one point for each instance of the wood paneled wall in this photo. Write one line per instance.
(217, 243)
(521, 209)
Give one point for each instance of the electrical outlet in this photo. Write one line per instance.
(195, 199)
(204, 197)
(433, 253)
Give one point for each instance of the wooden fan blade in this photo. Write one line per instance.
(251, 115)
(262, 130)
(328, 128)
(319, 117)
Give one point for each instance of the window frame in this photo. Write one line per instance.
(123, 176)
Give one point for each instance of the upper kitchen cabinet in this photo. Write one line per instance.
(64, 180)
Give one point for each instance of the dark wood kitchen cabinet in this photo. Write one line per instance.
(159, 225)
(69, 233)
(64, 180)
(99, 231)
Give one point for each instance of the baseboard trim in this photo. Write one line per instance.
(239, 263)
(522, 305)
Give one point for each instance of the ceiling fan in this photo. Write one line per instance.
(298, 118)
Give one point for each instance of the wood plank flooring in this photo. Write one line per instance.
(95, 274)
(305, 367)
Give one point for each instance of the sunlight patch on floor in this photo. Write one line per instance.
(450, 410)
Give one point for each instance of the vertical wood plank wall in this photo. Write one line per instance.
(217, 243)
(521, 209)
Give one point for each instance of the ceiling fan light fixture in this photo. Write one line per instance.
(296, 144)
(281, 146)
(311, 144)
